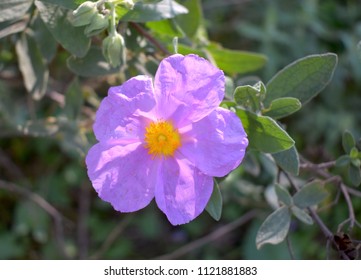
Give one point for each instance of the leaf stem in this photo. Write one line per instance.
(324, 165)
(290, 249)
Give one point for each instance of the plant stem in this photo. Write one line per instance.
(218, 233)
(112, 19)
(150, 38)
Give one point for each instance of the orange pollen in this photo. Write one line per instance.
(162, 139)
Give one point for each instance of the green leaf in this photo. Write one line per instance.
(56, 19)
(282, 107)
(358, 144)
(143, 12)
(354, 175)
(46, 42)
(283, 195)
(73, 100)
(69, 4)
(31, 218)
(32, 66)
(165, 27)
(92, 65)
(39, 128)
(236, 62)
(10, 246)
(264, 134)
(303, 79)
(192, 21)
(228, 104)
(354, 153)
(229, 90)
(214, 206)
(13, 9)
(248, 97)
(343, 160)
(310, 194)
(302, 215)
(148, 1)
(275, 228)
(356, 161)
(288, 160)
(348, 141)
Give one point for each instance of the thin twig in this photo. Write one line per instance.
(46, 206)
(218, 233)
(149, 37)
(326, 175)
(349, 205)
(353, 192)
(325, 230)
(328, 243)
(313, 213)
(112, 237)
(290, 249)
(323, 165)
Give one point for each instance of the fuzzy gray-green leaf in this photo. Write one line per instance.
(13, 9)
(214, 206)
(302, 79)
(264, 133)
(248, 97)
(354, 175)
(275, 228)
(283, 195)
(32, 66)
(348, 141)
(92, 65)
(282, 107)
(288, 160)
(144, 12)
(310, 194)
(301, 215)
(56, 19)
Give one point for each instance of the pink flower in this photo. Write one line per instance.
(165, 140)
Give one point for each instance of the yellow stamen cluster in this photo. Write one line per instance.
(162, 139)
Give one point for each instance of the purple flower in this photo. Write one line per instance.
(165, 140)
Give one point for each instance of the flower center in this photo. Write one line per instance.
(162, 139)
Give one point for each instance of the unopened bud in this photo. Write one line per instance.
(113, 49)
(98, 23)
(84, 13)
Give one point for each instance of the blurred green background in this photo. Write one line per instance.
(49, 210)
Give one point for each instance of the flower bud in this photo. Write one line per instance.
(113, 49)
(98, 23)
(84, 13)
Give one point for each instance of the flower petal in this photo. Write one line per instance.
(118, 116)
(122, 175)
(182, 191)
(187, 88)
(216, 144)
